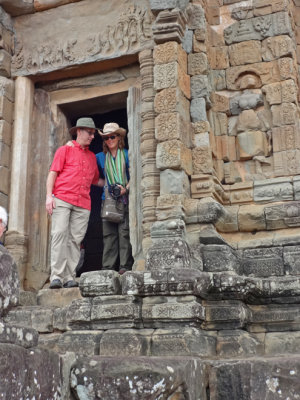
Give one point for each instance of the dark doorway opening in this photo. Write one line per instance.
(92, 242)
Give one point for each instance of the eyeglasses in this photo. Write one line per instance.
(89, 132)
(4, 226)
(112, 137)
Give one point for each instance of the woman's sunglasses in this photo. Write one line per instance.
(112, 137)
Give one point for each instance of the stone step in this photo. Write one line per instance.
(58, 297)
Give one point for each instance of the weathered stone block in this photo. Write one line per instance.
(62, 297)
(99, 283)
(198, 109)
(225, 314)
(169, 26)
(206, 186)
(276, 47)
(196, 16)
(42, 319)
(218, 122)
(284, 114)
(126, 342)
(9, 281)
(7, 88)
(6, 39)
(6, 109)
(263, 73)
(239, 343)
(248, 120)
(170, 206)
(263, 262)
(241, 192)
(248, 52)
(5, 132)
(218, 258)
(60, 319)
(173, 154)
(174, 182)
(85, 343)
(282, 343)
(229, 221)
(202, 160)
(220, 102)
(170, 52)
(197, 64)
(157, 5)
(258, 28)
(116, 312)
(283, 215)
(4, 180)
(217, 80)
(246, 101)
(286, 162)
(27, 298)
(171, 75)
(275, 317)
(251, 218)
(218, 57)
(277, 189)
(291, 259)
(5, 63)
(249, 379)
(201, 127)
(226, 148)
(141, 376)
(296, 185)
(160, 312)
(18, 335)
(251, 144)
(172, 100)
(286, 138)
(182, 342)
(200, 86)
(187, 41)
(79, 314)
(22, 376)
(169, 126)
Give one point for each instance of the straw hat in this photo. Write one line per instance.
(83, 123)
(112, 127)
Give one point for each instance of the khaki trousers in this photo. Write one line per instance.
(116, 244)
(69, 225)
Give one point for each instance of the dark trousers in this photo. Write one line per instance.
(116, 244)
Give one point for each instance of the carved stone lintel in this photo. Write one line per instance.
(169, 26)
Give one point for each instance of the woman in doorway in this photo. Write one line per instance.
(113, 165)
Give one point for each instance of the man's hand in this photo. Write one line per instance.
(50, 204)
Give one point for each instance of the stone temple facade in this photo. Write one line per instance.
(209, 92)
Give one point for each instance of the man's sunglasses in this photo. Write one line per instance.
(112, 137)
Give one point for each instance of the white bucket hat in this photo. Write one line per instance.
(112, 127)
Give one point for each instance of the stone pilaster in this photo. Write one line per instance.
(150, 174)
(17, 233)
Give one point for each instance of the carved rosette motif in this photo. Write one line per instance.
(129, 34)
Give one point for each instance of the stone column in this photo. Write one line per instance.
(16, 238)
(150, 174)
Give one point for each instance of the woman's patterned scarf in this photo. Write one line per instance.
(115, 168)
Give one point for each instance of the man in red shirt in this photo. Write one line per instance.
(73, 171)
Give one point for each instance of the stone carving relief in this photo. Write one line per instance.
(131, 31)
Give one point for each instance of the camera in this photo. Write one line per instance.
(114, 190)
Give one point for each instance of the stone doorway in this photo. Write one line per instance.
(54, 111)
(92, 243)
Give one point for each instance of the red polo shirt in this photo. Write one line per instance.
(76, 171)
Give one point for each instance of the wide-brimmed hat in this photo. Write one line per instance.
(112, 127)
(83, 123)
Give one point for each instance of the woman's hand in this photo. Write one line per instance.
(123, 190)
(70, 143)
